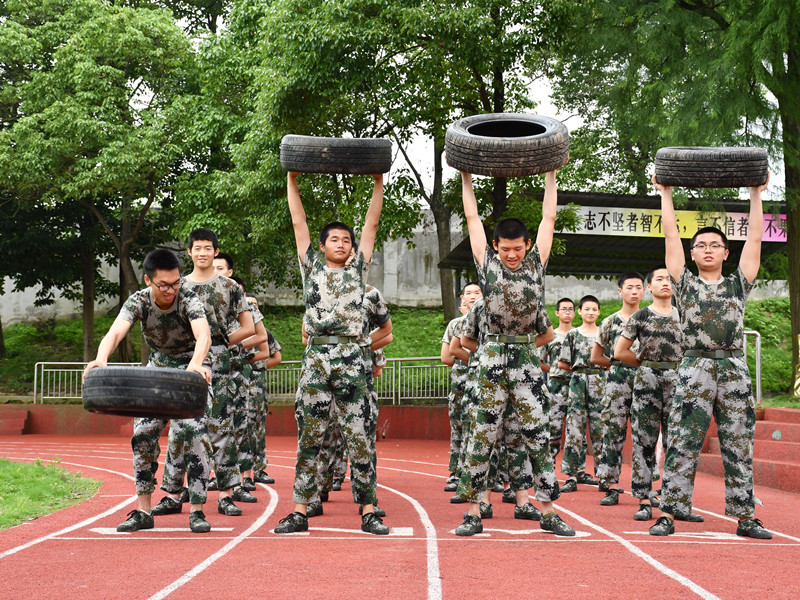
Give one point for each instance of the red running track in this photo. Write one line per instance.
(76, 552)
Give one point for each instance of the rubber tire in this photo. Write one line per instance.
(710, 167)
(145, 392)
(351, 156)
(507, 144)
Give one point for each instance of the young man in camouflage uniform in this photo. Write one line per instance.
(224, 303)
(458, 380)
(175, 328)
(512, 395)
(585, 396)
(334, 363)
(267, 357)
(656, 330)
(713, 377)
(558, 379)
(618, 391)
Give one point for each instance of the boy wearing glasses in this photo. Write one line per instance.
(557, 378)
(175, 327)
(713, 378)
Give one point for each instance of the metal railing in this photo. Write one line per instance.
(404, 380)
(757, 336)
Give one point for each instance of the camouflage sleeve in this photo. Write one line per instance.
(604, 332)
(308, 259)
(378, 310)
(273, 344)
(193, 307)
(379, 358)
(257, 316)
(131, 310)
(747, 287)
(239, 302)
(542, 320)
(631, 330)
(471, 326)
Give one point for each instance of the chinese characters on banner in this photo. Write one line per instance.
(646, 222)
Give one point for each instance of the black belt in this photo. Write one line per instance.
(559, 379)
(528, 338)
(621, 363)
(660, 364)
(589, 371)
(713, 353)
(325, 340)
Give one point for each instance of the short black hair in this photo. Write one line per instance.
(203, 234)
(703, 230)
(588, 298)
(469, 283)
(652, 272)
(160, 259)
(558, 304)
(241, 282)
(226, 257)
(629, 275)
(511, 229)
(325, 231)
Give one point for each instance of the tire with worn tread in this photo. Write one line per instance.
(507, 144)
(145, 392)
(350, 156)
(711, 167)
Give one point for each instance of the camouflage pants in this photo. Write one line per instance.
(244, 413)
(559, 395)
(706, 387)
(653, 395)
(455, 410)
(512, 406)
(219, 417)
(616, 412)
(584, 404)
(260, 427)
(334, 376)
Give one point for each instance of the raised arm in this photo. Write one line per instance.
(302, 237)
(370, 231)
(477, 235)
(544, 237)
(750, 260)
(119, 329)
(675, 258)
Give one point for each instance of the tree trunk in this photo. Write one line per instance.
(441, 217)
(2, 340)
(88, 281)
(127, 280)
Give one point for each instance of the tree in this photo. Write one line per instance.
(687, 72)
(98, 106)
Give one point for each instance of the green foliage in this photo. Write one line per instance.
(33, 490)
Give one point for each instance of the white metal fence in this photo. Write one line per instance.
(404, 380)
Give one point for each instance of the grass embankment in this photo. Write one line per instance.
(417, 332)
(28, 491)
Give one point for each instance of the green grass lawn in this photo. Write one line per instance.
(28, 491)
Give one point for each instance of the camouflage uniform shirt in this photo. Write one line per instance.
(551, 353)
(455, 329)
(577, 349)
(658, 335)
(223, 300)
(610, 331)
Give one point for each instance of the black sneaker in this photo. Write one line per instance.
(470, 526)
(586, 479)
(604, 486)
(753, 528)
(167, 506)
(292, 523)
(337, 484)
(248, 484)
(663, 527)
(371, 523)
(324, 495)
(451, 483)
(262, 477)
(498, 488)
(137, 519)
(185, 495)
(570, 485)
(226, 507)
(457, 499)
(690, 518)
(509, 496)
(212, 484)
(611, 498)
(552, 522)
(528, 512)
(645, 513)
(379, 512)
(486, 511)
(655, 501)
(314, 509)
(242, 495)
(198, 523)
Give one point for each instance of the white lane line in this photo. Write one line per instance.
(273, 502)
(732, 520)
(435, 475)
(113, 530)
(659, 566)
(84, 523)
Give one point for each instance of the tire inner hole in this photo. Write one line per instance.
(508, 128)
